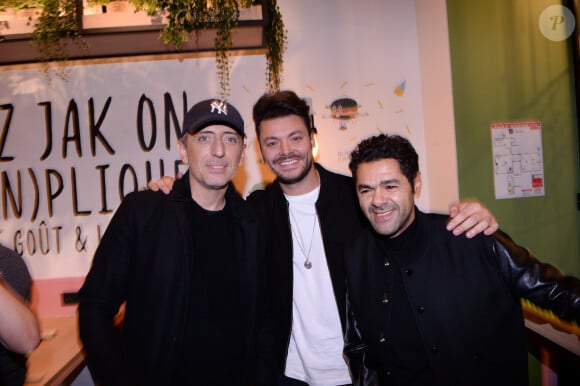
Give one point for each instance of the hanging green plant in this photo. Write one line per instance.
(195, 16)
(226, 18)
(56, 26)
(59, 25)
(275, 46)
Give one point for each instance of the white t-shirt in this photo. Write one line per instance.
(316, 343)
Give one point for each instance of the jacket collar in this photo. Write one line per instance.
(181, 192)
(412, 243)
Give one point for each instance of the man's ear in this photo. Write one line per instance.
(417, 184)
(258, 149)
(315, 145)
(243, 154)
(182, 149)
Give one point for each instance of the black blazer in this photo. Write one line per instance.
(143, 259)
(465, 296)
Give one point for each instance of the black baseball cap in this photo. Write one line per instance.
(212, 112)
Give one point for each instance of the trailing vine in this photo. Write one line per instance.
(185, 17)
(276, 40)
(54, 29)
(59, 25)
(194, 16)
(225, 19)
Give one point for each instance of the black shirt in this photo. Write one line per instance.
(212, 340)
(407, 359)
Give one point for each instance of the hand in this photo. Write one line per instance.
(164, 184)
(471, 217)
(19, 330)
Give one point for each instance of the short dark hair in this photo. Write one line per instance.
(281, 104)
(386, 146)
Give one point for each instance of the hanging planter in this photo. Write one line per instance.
(195, 16)
(58, 32)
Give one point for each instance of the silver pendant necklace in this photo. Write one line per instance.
(299, 240)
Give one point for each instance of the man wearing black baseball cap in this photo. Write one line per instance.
(187, 265)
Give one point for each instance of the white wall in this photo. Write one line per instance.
(434, 58)
(360, 49)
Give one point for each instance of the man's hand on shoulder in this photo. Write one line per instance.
(163, 184)
(472, 218)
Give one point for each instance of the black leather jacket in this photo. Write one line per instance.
(465, 299)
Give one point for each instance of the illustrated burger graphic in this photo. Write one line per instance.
(344, 109)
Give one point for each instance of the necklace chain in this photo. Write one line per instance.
(299, 240)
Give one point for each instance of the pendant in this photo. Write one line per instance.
(307, 264)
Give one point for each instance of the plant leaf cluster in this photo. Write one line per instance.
(58, 25)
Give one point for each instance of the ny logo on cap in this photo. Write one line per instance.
(220, 106)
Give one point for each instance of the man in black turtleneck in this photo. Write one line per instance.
(425, 307)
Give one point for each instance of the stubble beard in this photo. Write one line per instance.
(294, 180)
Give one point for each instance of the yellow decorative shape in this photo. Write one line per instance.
(542, 316)
(400, 89)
